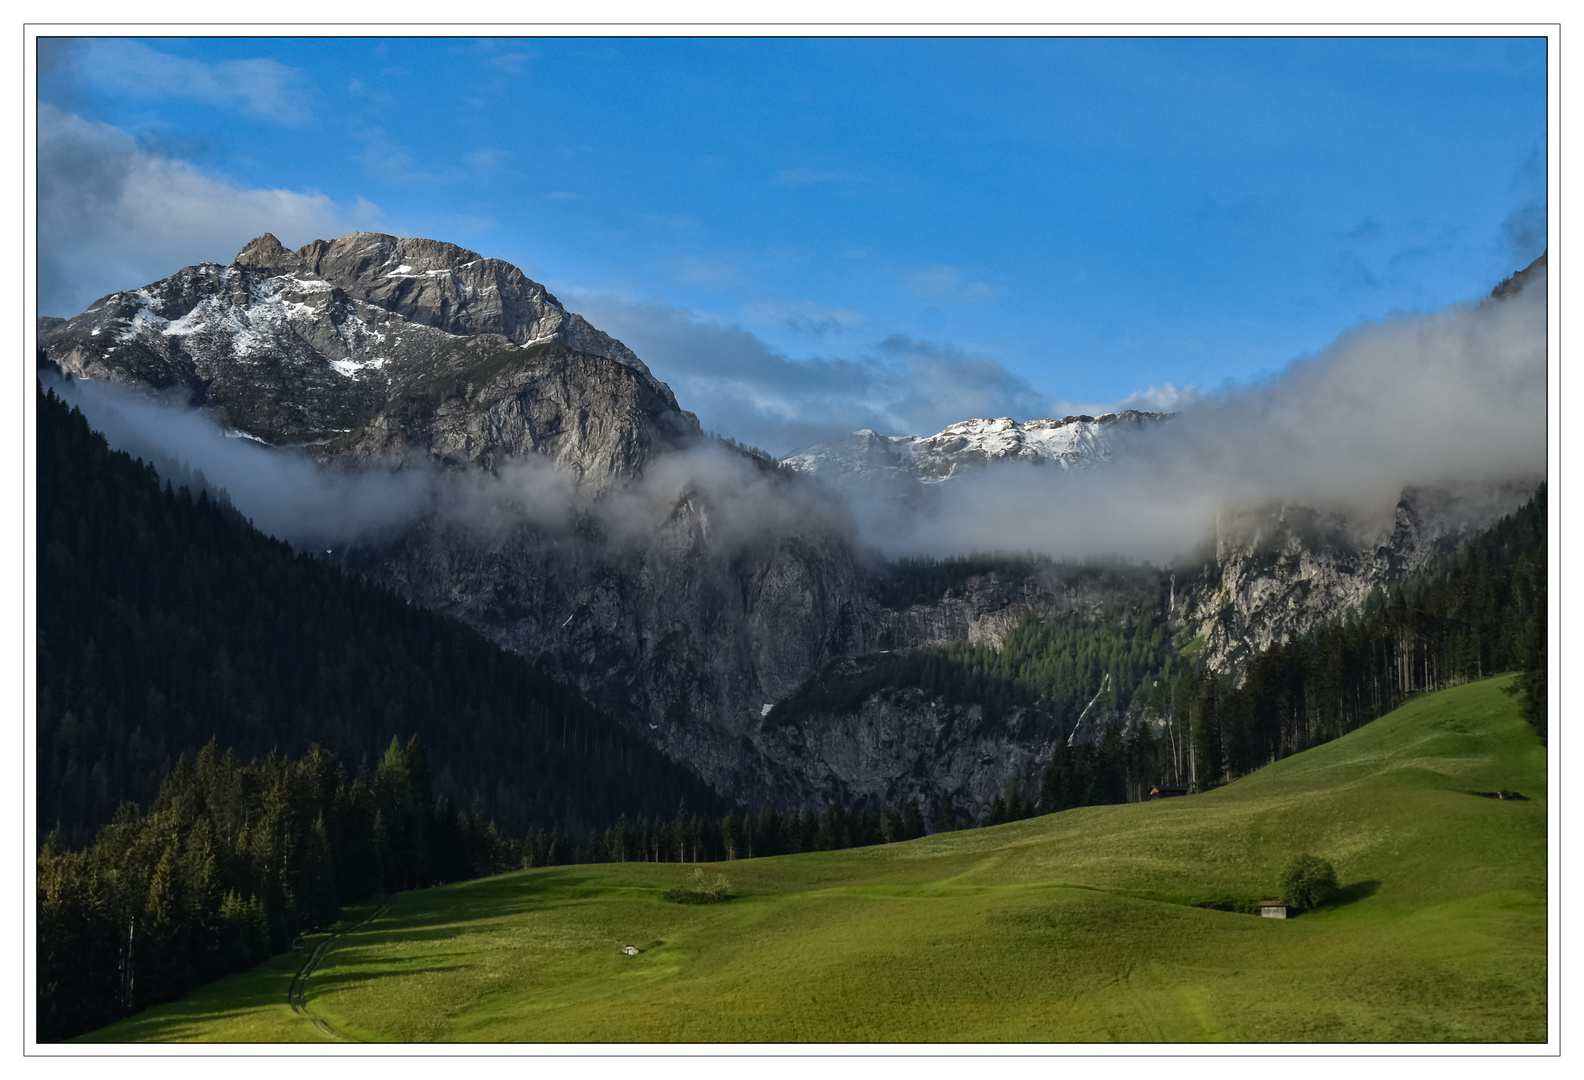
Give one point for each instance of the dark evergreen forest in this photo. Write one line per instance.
(167, 621)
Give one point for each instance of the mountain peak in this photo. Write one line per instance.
(1514, 284)
(263, 250)
(366, 340)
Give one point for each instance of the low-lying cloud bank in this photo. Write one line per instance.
(289, 495)
(1453, 400)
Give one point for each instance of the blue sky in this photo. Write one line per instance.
(809, 236)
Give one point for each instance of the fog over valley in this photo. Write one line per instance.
(1451, 399)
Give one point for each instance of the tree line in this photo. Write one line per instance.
(1477, 612)
(229, 864)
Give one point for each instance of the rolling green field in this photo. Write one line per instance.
(1075, 927)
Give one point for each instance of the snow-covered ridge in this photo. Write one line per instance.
(970, 445)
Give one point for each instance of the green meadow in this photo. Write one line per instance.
(1075, 927)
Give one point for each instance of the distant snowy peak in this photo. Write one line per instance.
(1071, 442)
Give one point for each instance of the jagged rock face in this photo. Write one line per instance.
(374, 372)
(436, 284)
(668, 623)
(963, 448)
(1282, 571)
(904, 745)
(490, 402)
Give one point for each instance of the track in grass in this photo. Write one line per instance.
(297, 993)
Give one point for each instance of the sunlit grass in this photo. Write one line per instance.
(1075, 927)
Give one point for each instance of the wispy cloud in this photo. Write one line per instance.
(809, 177)
(393, 160)
(260, 87)
(805, 318)
(1167, 398)
(513, 63)
(486, 158)
(948, 282)
(111, 215)
(360, 89)
(709, 271)
(741, 387)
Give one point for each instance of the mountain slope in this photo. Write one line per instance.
(448, 357)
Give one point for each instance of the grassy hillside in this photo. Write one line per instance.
(1078, 926)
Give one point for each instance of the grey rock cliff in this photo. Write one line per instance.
(1280, 571)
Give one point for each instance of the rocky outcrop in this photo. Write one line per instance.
(1280, 571)
(433, 283)
(1518, 281)
(904, 745)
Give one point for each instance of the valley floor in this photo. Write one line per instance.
(1070, 928)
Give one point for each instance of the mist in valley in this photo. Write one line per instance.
(1453, 400)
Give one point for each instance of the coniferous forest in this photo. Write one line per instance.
(167, 621)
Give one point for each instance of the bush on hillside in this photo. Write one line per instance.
(1307, 882)
(701, 890)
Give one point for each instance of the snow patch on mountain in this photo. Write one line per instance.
(968, 446)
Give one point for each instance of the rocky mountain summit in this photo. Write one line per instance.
(868, 458)
(377, 348)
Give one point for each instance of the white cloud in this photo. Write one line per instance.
(111, 216)
(1167, 397)
(950, 283)
(1454, 400)
(261, 87)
